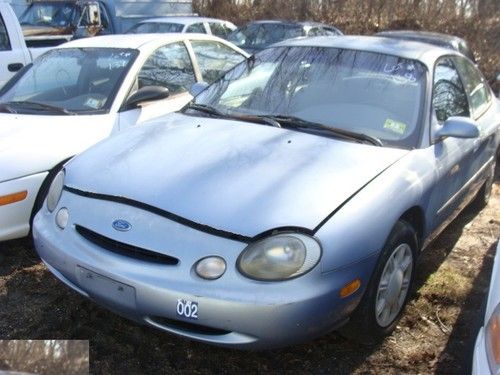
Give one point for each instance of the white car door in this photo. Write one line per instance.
(12, 56)
(169, 66)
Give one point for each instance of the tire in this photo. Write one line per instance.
(387, 293)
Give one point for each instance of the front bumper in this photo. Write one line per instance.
(233, 310)
(15, 217)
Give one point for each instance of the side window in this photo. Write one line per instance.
(475, 86)
(104, 20)
(330, 31)
(196, 28)
(169, 66)
(4, 37)
(315, 31)
(219, 29)
(214, 59)
(449, 98)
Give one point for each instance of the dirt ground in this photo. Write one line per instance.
(435, 335)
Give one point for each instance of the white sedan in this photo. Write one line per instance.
(84, 91)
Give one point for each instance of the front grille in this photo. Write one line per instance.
(124, 249)
(188, 327)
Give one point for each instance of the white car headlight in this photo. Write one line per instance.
(55, 191)
(279, 257)
(492, 338)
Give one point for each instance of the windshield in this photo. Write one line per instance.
(57, 14)
(367, 93)
(79, 80)
(156, 27)
(260, 35)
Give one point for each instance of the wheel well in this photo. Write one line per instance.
(40, 196)
(415, 217)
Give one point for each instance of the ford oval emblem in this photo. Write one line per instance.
(122, 225)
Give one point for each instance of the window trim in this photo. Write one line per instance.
(485, 84)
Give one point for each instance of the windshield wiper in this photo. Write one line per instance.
(43, 106)
(205, 108)
(241, 117)
(298, 123)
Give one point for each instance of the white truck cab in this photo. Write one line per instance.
(14, 54)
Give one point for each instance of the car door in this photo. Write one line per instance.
(12, 59)
(214, 58)
(169, 66)
(481, 100)
(453, 156)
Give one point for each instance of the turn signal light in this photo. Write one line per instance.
(350, 288)
(13, 198)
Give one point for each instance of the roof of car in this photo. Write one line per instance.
(135, 41)
(389, 46)
(287, 22)
(185, 20)
(429, 35)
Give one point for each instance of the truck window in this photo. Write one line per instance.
(53, 14)
(4, 37)
(106, 25)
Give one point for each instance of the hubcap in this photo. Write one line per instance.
(393, 285)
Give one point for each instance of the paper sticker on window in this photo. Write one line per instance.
(93, 103)
(395, 126)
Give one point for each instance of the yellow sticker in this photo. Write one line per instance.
(395, 126)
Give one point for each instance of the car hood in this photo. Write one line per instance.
(34, 143)
(237, 177)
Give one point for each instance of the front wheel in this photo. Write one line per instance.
(389, 288)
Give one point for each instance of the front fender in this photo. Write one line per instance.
(360, 228)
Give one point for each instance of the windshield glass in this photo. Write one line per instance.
(363, 92)
(57, 14)
(156, 27)
(75, 79)
(260, 35)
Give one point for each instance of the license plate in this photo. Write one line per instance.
(109, 290)
(187, 309)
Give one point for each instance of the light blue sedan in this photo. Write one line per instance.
(290, 197)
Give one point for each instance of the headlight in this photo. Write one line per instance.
(492, 337)
(55, 191)
(279, 257)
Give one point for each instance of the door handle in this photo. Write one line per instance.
(14, 67)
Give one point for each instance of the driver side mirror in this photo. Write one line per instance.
(146, 94)
(457, 127)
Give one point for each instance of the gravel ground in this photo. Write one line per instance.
(435, 335)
